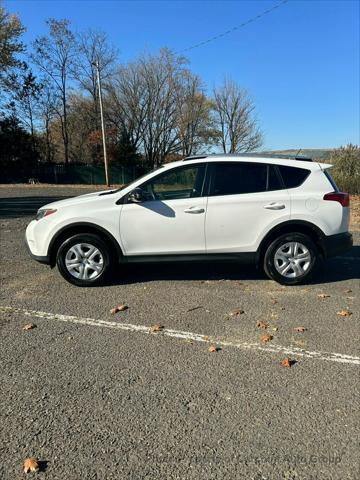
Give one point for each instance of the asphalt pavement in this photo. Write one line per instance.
(98, 396)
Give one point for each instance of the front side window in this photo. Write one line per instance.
(241, 177)
(182, 182)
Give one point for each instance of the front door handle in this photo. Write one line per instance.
(274, 206)
(194, 210)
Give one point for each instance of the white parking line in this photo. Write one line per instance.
(196, 337)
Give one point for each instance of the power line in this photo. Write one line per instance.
(250, 20)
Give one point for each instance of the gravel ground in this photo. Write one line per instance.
(93, 401)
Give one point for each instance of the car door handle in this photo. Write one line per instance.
(274, 206)
(194, 210)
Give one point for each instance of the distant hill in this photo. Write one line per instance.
(318, 154)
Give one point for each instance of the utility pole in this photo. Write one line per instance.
(102, 122)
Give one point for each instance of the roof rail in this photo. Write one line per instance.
(254, 155)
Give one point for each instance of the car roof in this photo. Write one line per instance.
(286, 160)
(251, 155)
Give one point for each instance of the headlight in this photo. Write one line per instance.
(44, 213)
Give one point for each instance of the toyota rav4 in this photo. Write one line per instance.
(283, 214)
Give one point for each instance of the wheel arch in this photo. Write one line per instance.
(78, 228)
(292, 226)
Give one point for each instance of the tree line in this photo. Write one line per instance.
(156, 109)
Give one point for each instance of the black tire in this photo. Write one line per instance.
(102, 261)
(272, 262)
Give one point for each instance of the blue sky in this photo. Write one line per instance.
(300, 63)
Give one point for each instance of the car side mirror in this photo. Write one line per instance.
(138, 195)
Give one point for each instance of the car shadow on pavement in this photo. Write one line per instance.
(333, 270)
(18, 207)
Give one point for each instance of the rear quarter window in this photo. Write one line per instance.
(292, 176)
(331, 180)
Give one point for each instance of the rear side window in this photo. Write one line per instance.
(292, 176)
(236, 178)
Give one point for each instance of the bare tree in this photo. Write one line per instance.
(94, 47)
(26, 93)
(55, 55)
(194, 123)
(47, 107)
(235, 117)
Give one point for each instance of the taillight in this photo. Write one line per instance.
(342, 198)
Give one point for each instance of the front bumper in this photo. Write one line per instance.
(335, 244)
(38, 258)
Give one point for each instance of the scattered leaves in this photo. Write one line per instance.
(265, 338)
(263, 325)
(213, 349)
(29, 326)
(286, 362)
(344, 313)
(156, 328)
(31, 465)
(237, 312)
(299, 329)
(323, 295)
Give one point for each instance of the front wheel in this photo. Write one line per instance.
(291, 259)
(84, 260)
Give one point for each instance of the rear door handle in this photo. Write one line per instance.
(194, 210)
(274, 206)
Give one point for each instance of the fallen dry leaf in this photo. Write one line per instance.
(286, 362)
(156, 328)
(119, 308)
(29, 326)
(266, 338)
(300, 329)
(275, 329)
(323, 295)
(213, 349)
(237, 311)
(31, 465)
(344, 313)
(263, 325)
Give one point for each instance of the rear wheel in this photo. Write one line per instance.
(84, 260)
(291, 259)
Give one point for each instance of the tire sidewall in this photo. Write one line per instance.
(92, 239)
(269, 264)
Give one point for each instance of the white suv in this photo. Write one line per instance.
(281, 213)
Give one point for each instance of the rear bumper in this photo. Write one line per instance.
(335, 244)
(40, 259)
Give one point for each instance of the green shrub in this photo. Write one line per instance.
(346, 170)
